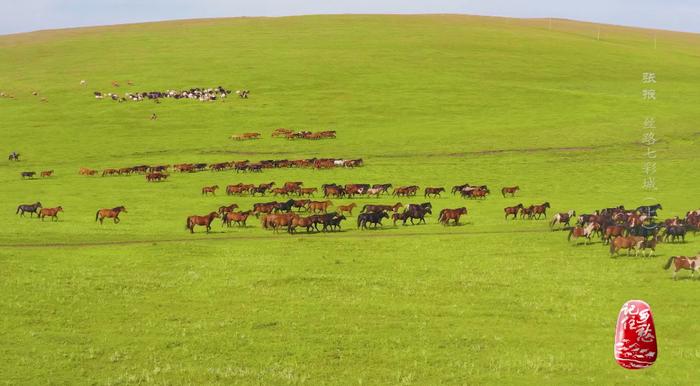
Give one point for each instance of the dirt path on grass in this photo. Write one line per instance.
(369, 234)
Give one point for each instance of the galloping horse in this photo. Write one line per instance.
(512, 211)
(510, 190)
(586, 232)
(51, 212)
(110, 213)
(381, 208)
(451, 214)
(319, 206)
(372, 218)
(683, 262)
(434, 191)
(31, 208)
(539, 210)
(201, 220)
(562, 218)
(227, 208)
(629, 243)
(47, 173)
(13, 156)
(210, 189)
(346, 208)
(27, 174)
(238, 217)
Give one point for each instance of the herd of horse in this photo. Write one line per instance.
(196, 93)
(161, 172)
(631, 230)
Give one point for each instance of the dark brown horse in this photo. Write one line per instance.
(539, 210)
(205, 221)
(227, 208)
(435, 192)
(512, 211)
(110, 213)
(451, 214)
(50, 212)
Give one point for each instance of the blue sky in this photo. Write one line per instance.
(29, 15)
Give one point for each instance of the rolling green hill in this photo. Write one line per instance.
(432, 100)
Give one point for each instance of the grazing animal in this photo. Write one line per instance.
(683, 262)
(451, 214)
(562, 218)
(586, 232)
(629, 243)
(512, 211)
(346, 208)
(210, 189)
(110, 213)
(50, 212)
(47, 173)
(32, 209)
(510, 190)
(371, 218)
(205, 221)
(435, 192)
(27, 174)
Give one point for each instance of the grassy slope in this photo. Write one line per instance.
(421, 99)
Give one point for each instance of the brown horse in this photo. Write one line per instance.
(381, 208)
(346, 208)
(157, 176)
(434, 191)
(512, 211)
(110, 213)
(510, 190)
(539, 210)
(611, 232)
(319, 206)
(562, 218)
(307, 191)
(451, 214)
(629, 243)
(210, 189)
(305, 222)
(276, 221)
(52, 212)
(683, 262)
(238, 217)
(206, 221)
(227, 208)
(47, 173)
(586, 232)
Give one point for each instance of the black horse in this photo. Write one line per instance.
(646, 231)
(675, 232)
(417, 212)
(649, 210)
(31, 208)
(372, 218)
(330, 221)
(27, 174)
(284, 206)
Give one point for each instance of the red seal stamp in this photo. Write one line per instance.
(635, 336)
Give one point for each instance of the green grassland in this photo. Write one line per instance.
(434, 100)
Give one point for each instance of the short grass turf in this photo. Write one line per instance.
(434, 100)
